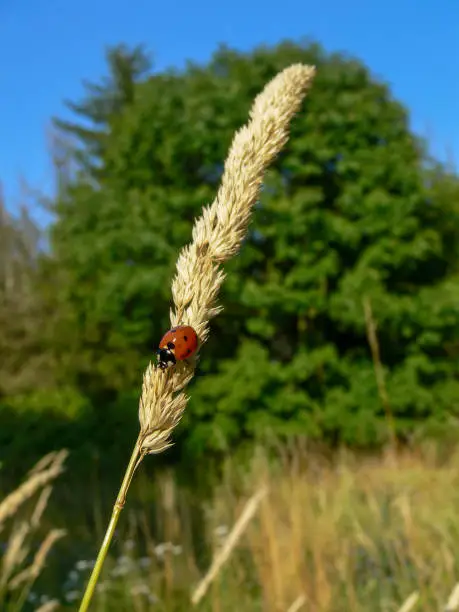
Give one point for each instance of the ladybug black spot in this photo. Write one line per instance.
(170, 345)
(185, 338)
(188, 352)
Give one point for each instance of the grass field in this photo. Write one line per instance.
(300, 532)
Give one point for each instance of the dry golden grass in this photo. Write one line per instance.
(31, 573)
(355, 535)
(46, 470)
(16, 576)
(230, 543)
(352, 534)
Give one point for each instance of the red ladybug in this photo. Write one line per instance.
(177, 344)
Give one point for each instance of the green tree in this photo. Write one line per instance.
(103, 102)
(24, 365)
(351, 212)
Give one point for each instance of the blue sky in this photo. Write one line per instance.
(48, 46)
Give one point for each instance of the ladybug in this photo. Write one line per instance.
(177, 344)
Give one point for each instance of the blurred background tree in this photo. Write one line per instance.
(23, 366)
(353, 213)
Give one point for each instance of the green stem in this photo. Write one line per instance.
(134, 461)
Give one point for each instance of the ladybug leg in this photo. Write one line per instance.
(165, 358)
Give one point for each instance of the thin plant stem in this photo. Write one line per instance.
(372, 336)
(230, 543)
(134, 462)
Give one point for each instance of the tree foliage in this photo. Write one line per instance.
(103, 102)
(24, 365)
(352, 212)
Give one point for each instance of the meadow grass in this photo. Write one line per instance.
(347, 533)
(294, 532)
(24, 549)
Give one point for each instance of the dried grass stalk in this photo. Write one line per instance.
(229, 545)
(47, 460)
(410, 602)
(217, 236)
(41, 506)
(16, 552)
(453, 602)
(42, 474)
(13, 578)
(299, 602)
(31, 573)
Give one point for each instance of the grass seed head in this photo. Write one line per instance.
(217, 236)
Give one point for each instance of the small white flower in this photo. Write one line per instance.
(221, 531)
(72, 595)
(124, 560)
(73, 576)
(160, 549)
(140, 589)
(129, 544)
(119, 570)
(102, 587)
(82, 565)
(145, 562)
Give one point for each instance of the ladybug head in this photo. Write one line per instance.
(166, 358)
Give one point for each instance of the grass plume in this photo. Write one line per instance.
(217, 236)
